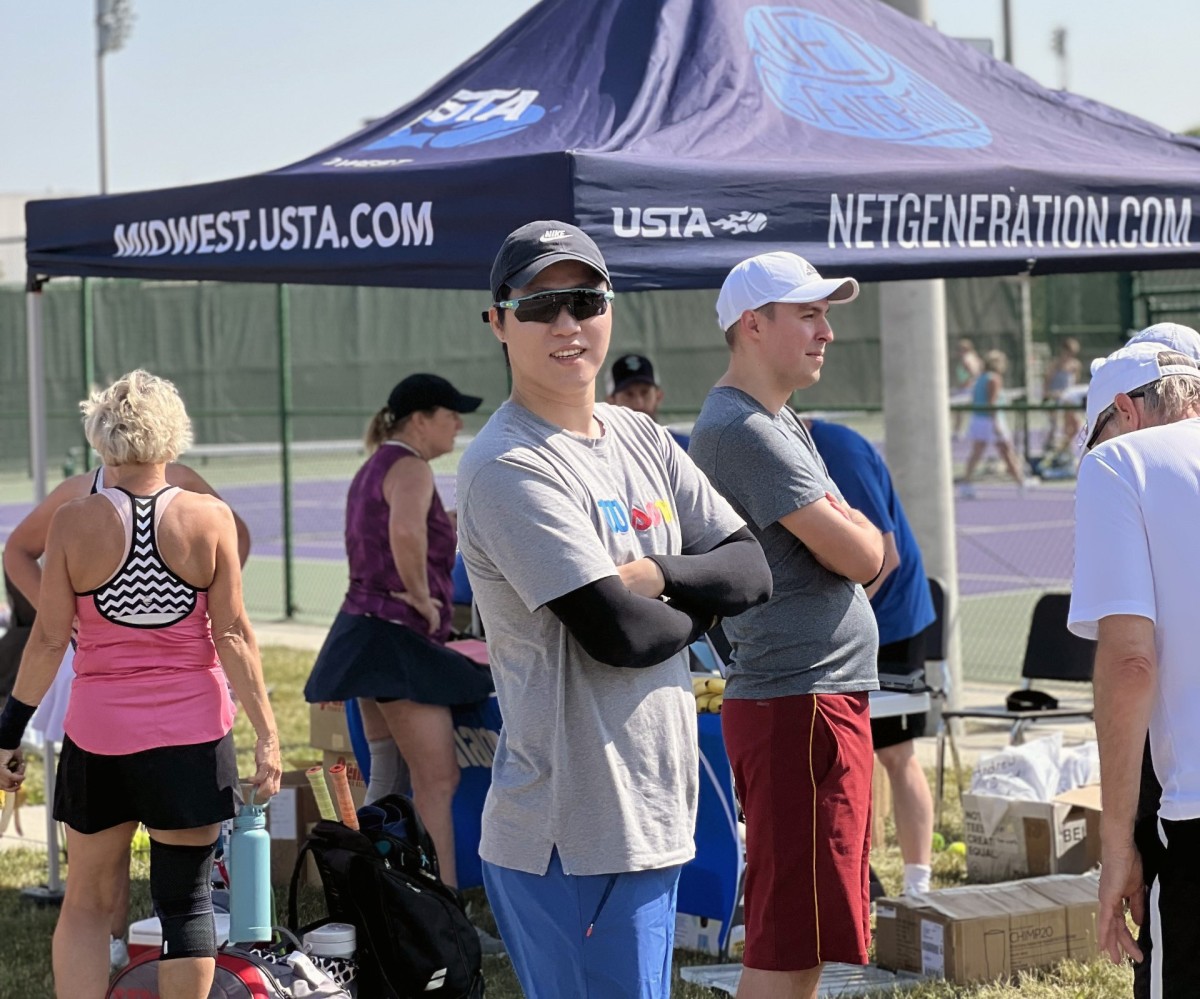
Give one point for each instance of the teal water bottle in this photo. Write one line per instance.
(250, 872)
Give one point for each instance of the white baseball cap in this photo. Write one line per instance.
(1125, 370)
(777, 277)
(1173, 336)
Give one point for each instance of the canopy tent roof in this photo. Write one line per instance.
(685, 135)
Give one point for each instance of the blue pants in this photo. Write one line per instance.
(545, 919)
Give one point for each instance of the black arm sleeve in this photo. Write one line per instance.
(732, 577)
(620, 628)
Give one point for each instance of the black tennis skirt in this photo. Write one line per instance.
(171, 787)
(368, 657)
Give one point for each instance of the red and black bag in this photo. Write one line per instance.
(241, 974)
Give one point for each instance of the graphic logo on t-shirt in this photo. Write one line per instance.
(620, 517)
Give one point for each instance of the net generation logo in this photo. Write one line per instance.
(827, 76)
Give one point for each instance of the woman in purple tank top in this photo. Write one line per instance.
(387, 644)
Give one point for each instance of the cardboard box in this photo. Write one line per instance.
(327, 727)
(290, 816)
(358, 786)
(977, 933)
(702, 934)
(1019, 839)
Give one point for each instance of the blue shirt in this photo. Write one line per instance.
(902, 606)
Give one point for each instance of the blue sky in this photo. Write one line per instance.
(204, 91)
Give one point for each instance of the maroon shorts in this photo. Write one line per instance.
(802, 766)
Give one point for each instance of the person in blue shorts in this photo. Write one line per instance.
(575, 519)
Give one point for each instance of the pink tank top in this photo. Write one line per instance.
(146, 669)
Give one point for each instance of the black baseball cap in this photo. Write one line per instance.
(421, 391)
(629, 369)
(528, 251)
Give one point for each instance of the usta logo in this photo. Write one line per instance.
(469, 117)
(682, 223)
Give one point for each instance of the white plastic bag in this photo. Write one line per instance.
(1030, 772)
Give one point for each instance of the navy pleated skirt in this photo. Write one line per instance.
(368, 657)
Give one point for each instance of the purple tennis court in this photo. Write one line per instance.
(1007, 540)
(1012, 545)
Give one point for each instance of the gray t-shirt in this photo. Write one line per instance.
(596, 760)
(817, 634)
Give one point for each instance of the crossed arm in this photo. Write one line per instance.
(840, 538)
(620, 621)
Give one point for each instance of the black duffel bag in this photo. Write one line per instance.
(413, 935)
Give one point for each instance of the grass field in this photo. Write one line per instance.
(27, 929)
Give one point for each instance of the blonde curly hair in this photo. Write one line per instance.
(138, 420)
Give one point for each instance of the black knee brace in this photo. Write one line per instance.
(181, 889)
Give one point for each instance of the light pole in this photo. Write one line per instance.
(1058, 45)
(114, 21)
(1006, 12)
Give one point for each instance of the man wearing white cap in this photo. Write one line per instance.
(1172, 336)
(1136, 555)
(796, 717)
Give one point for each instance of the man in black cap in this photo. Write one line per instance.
(632, 384)
(575, 518)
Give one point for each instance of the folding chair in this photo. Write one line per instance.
(1051, 653)
(937, 674)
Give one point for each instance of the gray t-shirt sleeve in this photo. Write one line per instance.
(768, 473)
(525, 525)
(705, 516)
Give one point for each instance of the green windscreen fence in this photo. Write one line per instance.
(221, 344)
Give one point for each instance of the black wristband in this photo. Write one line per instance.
(871, 581)
(13, 721)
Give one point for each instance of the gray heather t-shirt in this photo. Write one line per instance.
(596, 760)
(817, 634)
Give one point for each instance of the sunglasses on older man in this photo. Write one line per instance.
(545, 306)
(1137, 393)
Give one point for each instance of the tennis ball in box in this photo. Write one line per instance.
(141, 840)
(939, 842)
(959, 849)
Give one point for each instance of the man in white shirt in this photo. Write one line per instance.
(1136, 555)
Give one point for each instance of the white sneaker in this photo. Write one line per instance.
(118, 953)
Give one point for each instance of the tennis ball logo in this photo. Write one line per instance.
(467, 118)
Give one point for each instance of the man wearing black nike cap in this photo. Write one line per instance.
(575, 518)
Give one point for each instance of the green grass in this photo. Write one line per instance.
(27, 929)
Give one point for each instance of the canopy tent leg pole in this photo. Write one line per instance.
(916, 418)
(37, 387)
(87, 337)
(51, 893)
(285, 447)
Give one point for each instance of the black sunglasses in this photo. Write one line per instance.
(1137, 393)
(544, 306)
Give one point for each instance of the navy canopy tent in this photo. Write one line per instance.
(685, 135)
